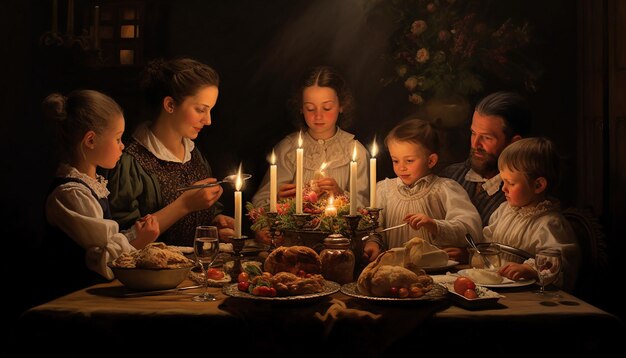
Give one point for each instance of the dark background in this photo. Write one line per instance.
(259, 49)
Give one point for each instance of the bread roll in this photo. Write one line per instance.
(293, 259)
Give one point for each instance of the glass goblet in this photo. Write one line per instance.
(548, 265)
(206, 246)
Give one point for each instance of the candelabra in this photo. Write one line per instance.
(273, 226)
(238, 244)
(301, 220)
(374, 215)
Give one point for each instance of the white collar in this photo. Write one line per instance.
(98, 185)
(144, 136)
(491, 186)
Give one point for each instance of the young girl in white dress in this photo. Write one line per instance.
(82, 238)
(530, 219)
(323, 99)
(436, 209)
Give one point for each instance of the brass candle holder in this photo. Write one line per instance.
(301, 220)
(374, 215)
(355, 245)
(272, 215)
(238, 244)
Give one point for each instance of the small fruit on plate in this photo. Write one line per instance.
(470, 294)
(462, 284)
(243, 277)
(243, 286)
(215, 274)
(394, 291)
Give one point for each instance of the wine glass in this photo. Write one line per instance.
(548, 264)
(206, 246)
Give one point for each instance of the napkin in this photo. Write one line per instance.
(339, 309)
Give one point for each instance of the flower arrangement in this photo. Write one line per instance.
(316, 205)
(446, 47)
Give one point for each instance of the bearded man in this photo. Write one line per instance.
(499, 119)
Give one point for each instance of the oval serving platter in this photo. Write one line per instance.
(438, 292)
(330, 287)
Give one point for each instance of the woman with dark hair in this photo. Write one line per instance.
(161, 156)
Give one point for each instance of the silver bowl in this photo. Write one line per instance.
(145, 279)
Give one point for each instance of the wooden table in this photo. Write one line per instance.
(520, 322)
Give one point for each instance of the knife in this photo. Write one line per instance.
(158, 292)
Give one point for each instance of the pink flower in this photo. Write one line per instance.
(444, 35)
(416, 98)
(422, 55)
(310, 196)
(418, 27)
(411, 83)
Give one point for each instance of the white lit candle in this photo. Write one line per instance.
(238, 184)
(353, 170)
(299, 174)
(273, 188)
(330, 210)
(373, 174)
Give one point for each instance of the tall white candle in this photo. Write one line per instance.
(238, 184)
(299, 174)
(353, 171)
(273, 188)
(373, 175)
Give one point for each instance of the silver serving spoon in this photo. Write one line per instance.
(486, 262)
(377, 233)
(229, 179)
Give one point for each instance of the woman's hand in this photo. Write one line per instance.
(287, 190)
(225, 227)
(330, 185)
(516, 272)
(200, 199)
(417, 221)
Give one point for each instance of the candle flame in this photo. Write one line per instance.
(374, 148)
(354, 152)
(238, 181)
(323, 166)
(273, 159)
(300, 139)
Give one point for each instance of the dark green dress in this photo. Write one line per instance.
(143, 184)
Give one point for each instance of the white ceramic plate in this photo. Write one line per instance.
(487, 298)
(450, 264)
(506, 283)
